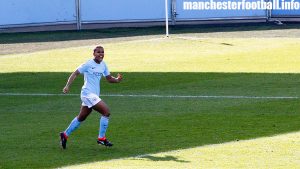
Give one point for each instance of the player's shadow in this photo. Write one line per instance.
(164, 158)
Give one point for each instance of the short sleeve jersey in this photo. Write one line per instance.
(92, 72)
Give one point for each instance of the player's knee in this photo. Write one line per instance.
(81, 118)
(107, 114)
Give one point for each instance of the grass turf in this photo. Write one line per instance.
(30, 124)
(177, 54)
(270, 152)
(11, 38)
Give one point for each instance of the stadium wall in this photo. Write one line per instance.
(286, 13)
(183, 15)
(119, 11)
(85, 14)
(36, 12)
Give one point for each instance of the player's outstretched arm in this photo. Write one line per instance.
(70, 81)
(112, 79)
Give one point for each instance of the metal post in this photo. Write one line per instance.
(173, 11)
(167, 18)
(78, 14)
(270, 12)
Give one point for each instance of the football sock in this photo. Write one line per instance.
(73, 126)
(103, 126)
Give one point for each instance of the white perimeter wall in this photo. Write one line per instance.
(14, 12)
(222, 14)
(118, 10)
(27, 12)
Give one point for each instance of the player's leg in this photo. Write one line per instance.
(84, 112)
(102, 108)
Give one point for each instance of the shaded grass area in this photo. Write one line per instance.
(9, 38)
(30, 125)
(170, 83)
(138, 126)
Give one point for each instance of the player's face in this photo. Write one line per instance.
(99, 54)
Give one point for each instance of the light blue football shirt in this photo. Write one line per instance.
(92, 72)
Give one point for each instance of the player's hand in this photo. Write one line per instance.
(66, 89)
(119, 77)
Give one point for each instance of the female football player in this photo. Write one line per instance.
(92, 71)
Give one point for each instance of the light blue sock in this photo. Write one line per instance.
(73, 126)
(103, 126)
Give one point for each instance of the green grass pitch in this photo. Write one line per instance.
(180, 65)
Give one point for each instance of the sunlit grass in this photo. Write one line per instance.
(176, 54)
(282, 151)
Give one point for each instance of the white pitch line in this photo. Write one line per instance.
(156, 96)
